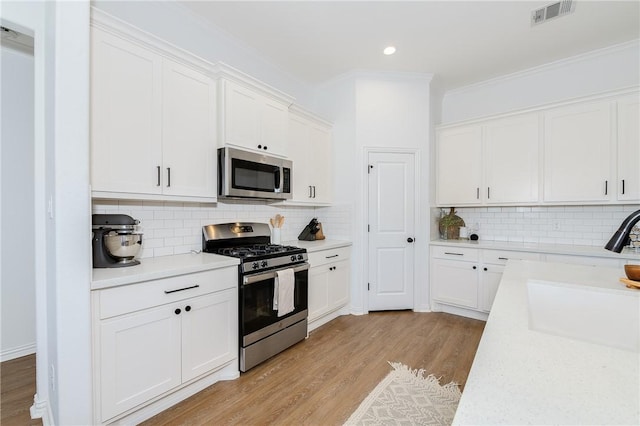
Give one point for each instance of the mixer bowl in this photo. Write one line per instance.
(123, 246)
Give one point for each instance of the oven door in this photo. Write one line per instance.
(258, 319)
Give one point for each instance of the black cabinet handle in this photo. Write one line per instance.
(454, 254)
(488, 192)
(606, 187)
(314, 191)
(259, 146)
(177, 311)
(265, 147)
(478, 193)
(503, 258)
(310, 193)
(333, 255)
(485, 269)
(622, 186)
(475, 267)
(187, 308)
(168, 177)
(158, 175)
(181, 289)
(410, 240)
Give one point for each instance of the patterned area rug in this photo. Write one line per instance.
(406, 397)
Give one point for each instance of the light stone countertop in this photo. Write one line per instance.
(521, 376)
(318, 245)
(567, 249)
(154, 268)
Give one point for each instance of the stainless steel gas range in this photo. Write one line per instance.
(264, 271)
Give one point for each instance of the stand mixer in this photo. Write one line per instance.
(115, 240)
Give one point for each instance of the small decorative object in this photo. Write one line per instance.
(450, 225)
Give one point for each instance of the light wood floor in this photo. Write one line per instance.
(319, 381)
(17, 388)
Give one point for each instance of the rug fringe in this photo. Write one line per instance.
(451, 389)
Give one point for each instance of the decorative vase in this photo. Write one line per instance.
(449, 225)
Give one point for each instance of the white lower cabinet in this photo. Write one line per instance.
(329, 278)
(165, 334)
(468, 278)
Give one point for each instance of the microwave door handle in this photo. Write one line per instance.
(278, 180)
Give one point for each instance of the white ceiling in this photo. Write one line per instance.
(461, 42)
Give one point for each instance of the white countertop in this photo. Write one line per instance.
(318, 245)
(568, 249)
(159, 267)
(521, 376)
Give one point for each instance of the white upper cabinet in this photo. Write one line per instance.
(251, 120)
(309, 147)
(495, 162)
(459, 171)
(577, 153)
(126, 115)
(188, 131)
(152, 124)
(510, 160)
(628, 183)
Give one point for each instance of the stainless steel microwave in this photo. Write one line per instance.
(245, 174)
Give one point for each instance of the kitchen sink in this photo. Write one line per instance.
(606, 313)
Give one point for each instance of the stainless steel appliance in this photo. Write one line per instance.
(115, 240)
(262, 332)
(244, 174)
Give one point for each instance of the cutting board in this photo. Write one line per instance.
(631, 283)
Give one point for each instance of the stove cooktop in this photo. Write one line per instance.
(258, 251)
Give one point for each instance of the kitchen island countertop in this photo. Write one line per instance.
(522, 376)
(159, 267)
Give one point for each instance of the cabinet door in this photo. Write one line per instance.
(241, 116)
(298, 149)
(274, 128)
(577, 150)
(139, 358)
(628, 149)
(318, 291)
(319, 163)
(339, 279)
(188, 132)
(126, 116)
(458, 178)
(455, 283)
(510, 160)
(209, 332)
(491, 276)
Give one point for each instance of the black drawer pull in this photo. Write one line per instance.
(503, 258)
(454, 254)
(181, 289)
(333, 255)
(177, 311)
(187, 308)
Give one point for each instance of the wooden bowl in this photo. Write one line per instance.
(633, 272)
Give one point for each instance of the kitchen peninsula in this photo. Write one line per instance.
(522, 376)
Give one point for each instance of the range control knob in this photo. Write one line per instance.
(293, 258)
(264, 264)
(300, 257)
(255, 265)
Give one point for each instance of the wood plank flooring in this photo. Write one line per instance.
(319, 381)
(323, 379)
(17, 388)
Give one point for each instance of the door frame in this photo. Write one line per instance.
(421, 237)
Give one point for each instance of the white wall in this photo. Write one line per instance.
(591, 73)
(377, 110)
(18, 319)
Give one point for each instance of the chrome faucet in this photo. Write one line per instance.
(619, 239)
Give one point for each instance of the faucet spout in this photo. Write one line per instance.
(620, 237)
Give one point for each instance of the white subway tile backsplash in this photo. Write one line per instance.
(175, 228)
(582, 225)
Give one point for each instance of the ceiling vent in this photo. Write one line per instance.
(551, 11)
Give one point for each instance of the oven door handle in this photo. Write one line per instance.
(250, 279)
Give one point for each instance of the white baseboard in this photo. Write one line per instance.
(17, 352)
(41, 410)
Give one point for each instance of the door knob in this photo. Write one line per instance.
(409, 240)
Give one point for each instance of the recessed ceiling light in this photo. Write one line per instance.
(389, 50)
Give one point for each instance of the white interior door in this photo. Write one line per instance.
(391, 230)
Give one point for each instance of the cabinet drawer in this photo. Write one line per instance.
(455, 253)
(134, 297)
(329, 256)
(500, 257)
